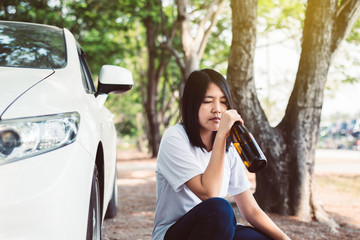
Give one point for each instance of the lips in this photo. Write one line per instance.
(215, 119)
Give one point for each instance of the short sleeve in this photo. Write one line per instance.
(239, 181)
(177, 161)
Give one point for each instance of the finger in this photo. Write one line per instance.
(241, 120)
(236, 116)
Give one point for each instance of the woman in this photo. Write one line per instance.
(197, 166)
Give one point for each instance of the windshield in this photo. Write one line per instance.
(31, 45)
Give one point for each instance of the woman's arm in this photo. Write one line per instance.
(256, 216)
(208, 184)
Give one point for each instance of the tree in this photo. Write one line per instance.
(286, 185)
(193, 49)
(193, 45)
(32, 11)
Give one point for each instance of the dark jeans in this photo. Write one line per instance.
(213, 219)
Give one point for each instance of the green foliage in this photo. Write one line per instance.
(354, 35)
(125, 108)
(218, 48)
(36, 11)
(281, 14)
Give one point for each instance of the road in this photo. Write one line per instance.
(337, 161)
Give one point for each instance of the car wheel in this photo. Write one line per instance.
(94, 217)
(113, 204)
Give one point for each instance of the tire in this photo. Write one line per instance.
(94, 217)
(113, 204)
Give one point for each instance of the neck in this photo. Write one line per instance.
(207, 139)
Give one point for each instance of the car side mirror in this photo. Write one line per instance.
(114, 79)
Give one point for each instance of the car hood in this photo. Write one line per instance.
(16, 81)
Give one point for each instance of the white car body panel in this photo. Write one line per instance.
(18, 86)
(45, 196)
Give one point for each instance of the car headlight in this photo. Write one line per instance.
(25, 137)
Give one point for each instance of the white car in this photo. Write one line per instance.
(57, 139)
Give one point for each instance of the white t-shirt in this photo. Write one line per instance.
(179, 161)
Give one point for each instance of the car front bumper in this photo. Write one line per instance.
(46, 196)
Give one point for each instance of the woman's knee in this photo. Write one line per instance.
(216, 220)
(220, 209)
(211, 219)
(217, 203)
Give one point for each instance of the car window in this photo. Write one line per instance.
(86, 73)
(31, 45)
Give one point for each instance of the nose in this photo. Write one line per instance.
(216, 107)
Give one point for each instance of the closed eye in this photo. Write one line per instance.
(210, 100)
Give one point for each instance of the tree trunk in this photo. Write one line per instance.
(150, 106)
(152, 81)
(286, 185)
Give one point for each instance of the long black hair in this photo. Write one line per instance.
(194, 93)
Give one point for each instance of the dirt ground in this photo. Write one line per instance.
(137, 198)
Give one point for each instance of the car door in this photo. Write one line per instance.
(105, 124)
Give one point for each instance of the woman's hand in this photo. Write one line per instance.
(228, 118)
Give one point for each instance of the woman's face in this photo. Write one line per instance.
(214, 103)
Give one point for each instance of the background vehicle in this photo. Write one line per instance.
(340, 135)
(57, 139)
